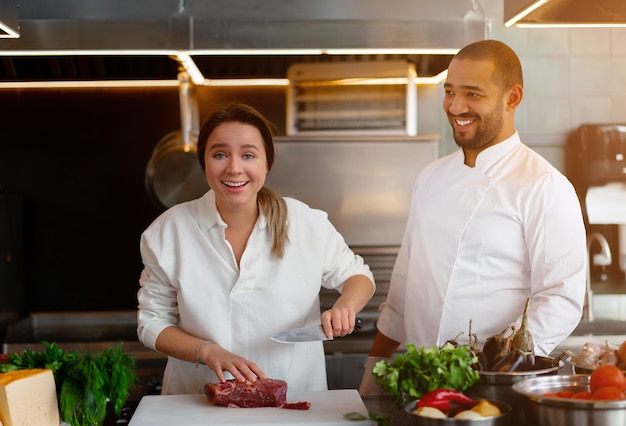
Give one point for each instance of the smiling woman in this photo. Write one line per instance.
(214, 265)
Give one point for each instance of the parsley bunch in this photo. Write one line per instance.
(410, 375)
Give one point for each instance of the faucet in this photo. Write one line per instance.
(604, 258)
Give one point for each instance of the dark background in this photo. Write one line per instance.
(76, 158)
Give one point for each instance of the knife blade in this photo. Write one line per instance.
(312, 333)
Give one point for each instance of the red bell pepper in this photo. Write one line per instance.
(442, 399)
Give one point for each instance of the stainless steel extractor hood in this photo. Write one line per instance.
(565, 13)
(208, 29)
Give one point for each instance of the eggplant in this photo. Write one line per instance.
(515, 360)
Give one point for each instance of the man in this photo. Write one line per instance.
(489, 226)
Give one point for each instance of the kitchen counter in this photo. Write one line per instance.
(378, 404)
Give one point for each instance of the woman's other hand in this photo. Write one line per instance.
(219, 360)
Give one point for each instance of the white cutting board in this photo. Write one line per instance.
(327, 409)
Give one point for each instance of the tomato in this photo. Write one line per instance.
(609, 393)
(550, 395)
(582, 395)
(565, 394)
(607, 375)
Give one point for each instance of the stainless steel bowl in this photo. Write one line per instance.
(501, 420)
(545, 411)
(498, 386)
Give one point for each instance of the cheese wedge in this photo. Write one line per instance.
(28, 397)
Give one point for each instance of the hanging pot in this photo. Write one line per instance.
(173, 174)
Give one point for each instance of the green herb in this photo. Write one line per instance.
(380, 419)
(353, 415)
(84, 381)
(410, 375)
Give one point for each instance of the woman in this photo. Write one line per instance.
(225, 272)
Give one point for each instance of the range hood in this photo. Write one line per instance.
(225, 31)
(527, 13)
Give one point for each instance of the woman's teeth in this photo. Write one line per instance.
(234, 184)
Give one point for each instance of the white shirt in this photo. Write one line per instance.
(191, 279)
(479, 241)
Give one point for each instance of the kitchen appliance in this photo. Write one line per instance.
(327, 409)
(364, 97)
(599, 174)
(364, 183)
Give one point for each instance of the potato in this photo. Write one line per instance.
(431, 412)
(468, 415)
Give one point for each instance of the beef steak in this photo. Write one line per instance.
(233, 393)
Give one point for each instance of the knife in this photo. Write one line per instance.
(308, 334)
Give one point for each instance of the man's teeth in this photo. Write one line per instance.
(463, 122)
(234, 184)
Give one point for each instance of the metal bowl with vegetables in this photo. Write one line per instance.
(544, 406)
(445, 407)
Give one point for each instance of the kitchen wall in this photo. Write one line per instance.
(78, 156)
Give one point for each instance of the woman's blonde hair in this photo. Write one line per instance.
(271, 203)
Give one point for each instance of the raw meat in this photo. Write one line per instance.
(300, 405)
(233, 393)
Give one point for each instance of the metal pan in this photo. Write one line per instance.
(173, 174)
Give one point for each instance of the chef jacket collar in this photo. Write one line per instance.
(209, 216)
(494, 153)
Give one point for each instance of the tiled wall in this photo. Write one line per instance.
(572, 76)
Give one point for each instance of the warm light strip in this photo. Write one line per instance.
(185, 58)
(277, 52)
(568, 25)
(525, 12)
(87, 84)
(226, 82)
(192, 69)
(78, 52)
(10, 32)
(247, 82)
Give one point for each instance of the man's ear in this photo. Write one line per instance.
(516, 93)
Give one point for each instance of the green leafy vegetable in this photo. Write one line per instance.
(353, 415)
(410, 375)
(84, 381)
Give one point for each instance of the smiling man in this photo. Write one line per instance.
(489, 226)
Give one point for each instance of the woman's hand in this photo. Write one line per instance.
(338, 321)
(219, 360)
(341, 318)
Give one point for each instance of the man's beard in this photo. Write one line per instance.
(487, 130)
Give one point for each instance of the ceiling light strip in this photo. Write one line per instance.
(528, 9)
(568, 25)
(69, 52)
(86, 84)
(8, 32)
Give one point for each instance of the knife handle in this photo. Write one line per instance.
(358, 324)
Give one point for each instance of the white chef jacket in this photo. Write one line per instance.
(479, 241)
(191, 280)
